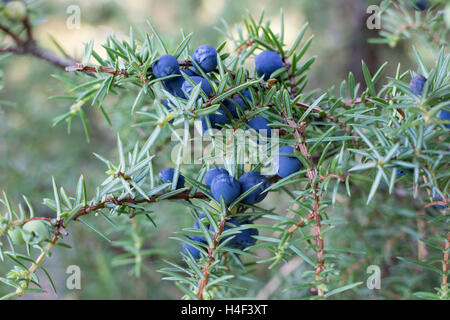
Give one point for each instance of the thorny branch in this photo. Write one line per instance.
(30, 46)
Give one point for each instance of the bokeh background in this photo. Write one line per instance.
(31, 150)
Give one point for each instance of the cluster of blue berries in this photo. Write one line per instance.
(224, 185)
(205, 57)
(266, 63)
(220, 182)
(167, 65)
(416, 85)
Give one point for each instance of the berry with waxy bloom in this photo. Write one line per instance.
(206, 57)
(287, 165)
(230, 104)
(165, 66)
(167, 174)
(445, 116)
(226, 186)
(267, 62)
(187, 247)
(420, 5)
(217, 118)
(248, 181)
(417, 83)
(260, 123)
(205, 86)
(212, 173)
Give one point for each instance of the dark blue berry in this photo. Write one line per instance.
(166, 66)
(173, 85)
(216, 119)
(167, 104)
(401, 173)
(166, 175)
(211, 174)
(287, 165)
(206, 87)
(267, 62)
(224, 185)
(248, 181)
(187, 247)
(197, 226)
(247, 95)
(417, 83)
(242, 239)
(206, 57)
(445, 116)
(260, 123)
(230, 104)
(189, 72)
(245, 238)
(420, 5)
(438, 206)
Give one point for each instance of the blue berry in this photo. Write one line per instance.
(166, 66)
(230, 104)
(211, 174)
(206, 57)
(267, 62)
(187, 247)
(173, 85)
(420, 5)
(248, 181)
(401, 173)
(246, 93)
(189, 72)
(166, 175)
(417, 83)
(206, 87)
(245, 238)
(216, 119)
(438, 206)
(260, 123)
(167, 104)
(197, 226)
(224, 185)
(240, 240)
(445, 116)
(287, 165)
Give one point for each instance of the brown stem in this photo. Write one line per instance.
(311, 173)
(211, 259)
(30, 46)
(14, 36)
(92, 208)
(445, 264)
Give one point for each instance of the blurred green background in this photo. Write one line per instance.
(31, 150)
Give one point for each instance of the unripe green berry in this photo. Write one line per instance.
(15, 11)
(16, 236)
(37, 228)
